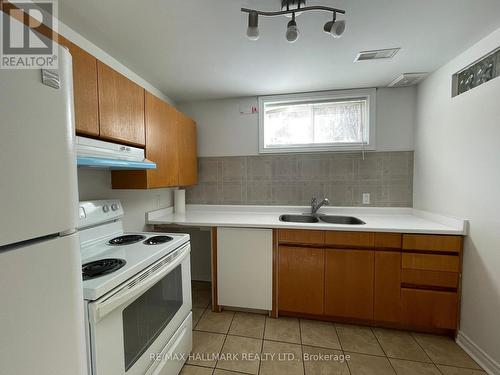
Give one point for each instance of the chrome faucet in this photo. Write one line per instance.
(315, 206)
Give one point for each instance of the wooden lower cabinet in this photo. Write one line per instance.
(431, 262)
(426, 278)
(349, 276)
(301, 282)
(382, 279)
(429, 243)
(429, 308)
(387, 289)
(301, 236)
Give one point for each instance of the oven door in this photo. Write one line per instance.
(132, 323)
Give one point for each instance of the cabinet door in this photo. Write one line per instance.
(387, 298)
(188, 153)
(244, 268)
(161, 142)
(349, 278)
(301, 279)
(121, 107)
(84, 89)
(429, 308)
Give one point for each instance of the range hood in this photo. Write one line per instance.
(100, 154)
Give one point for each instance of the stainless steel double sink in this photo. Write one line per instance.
(330, 219)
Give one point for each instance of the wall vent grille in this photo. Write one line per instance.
(407, 79)
(376, 54)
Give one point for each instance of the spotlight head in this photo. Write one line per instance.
(253, 26)
(337, 28)
(292, 31)
(334, 27)
(328, 27)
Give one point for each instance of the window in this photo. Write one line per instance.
(481, 71)
(331, 121)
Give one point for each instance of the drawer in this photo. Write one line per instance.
(430, 278)
(429, 309)
(297, 236)
(449, 244)
(388, 241)
(431, 262)
(349, 240)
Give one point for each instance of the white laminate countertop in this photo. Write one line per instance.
(401, 220)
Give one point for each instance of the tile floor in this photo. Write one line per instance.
(242, 343)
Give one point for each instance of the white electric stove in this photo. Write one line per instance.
(137, 291)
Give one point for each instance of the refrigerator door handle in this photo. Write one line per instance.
(51, 78)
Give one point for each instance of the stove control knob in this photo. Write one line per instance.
(114, 206)
(105, 208)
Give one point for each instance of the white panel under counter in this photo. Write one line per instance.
(377, 219)
(244, 268)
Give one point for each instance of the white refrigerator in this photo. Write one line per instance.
(41, 302)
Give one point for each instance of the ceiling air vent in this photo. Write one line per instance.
(407, 79)
(376, 54)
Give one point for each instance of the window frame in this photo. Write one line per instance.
(368, 94)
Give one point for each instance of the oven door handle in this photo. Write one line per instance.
(127, 294)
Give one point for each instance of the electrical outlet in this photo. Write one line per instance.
(366, 198)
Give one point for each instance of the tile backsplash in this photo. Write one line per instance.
(293, 179)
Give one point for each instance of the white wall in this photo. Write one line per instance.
(96, 184)
(457, 172)
(224, 131)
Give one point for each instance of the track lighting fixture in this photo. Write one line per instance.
(292, 8)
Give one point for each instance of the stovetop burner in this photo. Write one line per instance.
(157, 240)
(126, 239)
(101, 267)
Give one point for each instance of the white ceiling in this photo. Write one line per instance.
(197, 49)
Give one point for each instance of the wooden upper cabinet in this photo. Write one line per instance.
(170, 143)
(84, 89)
(121, 107)
(162, 142)
(349, 277)
(162, 145)
(85, 92)
(188, 154)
